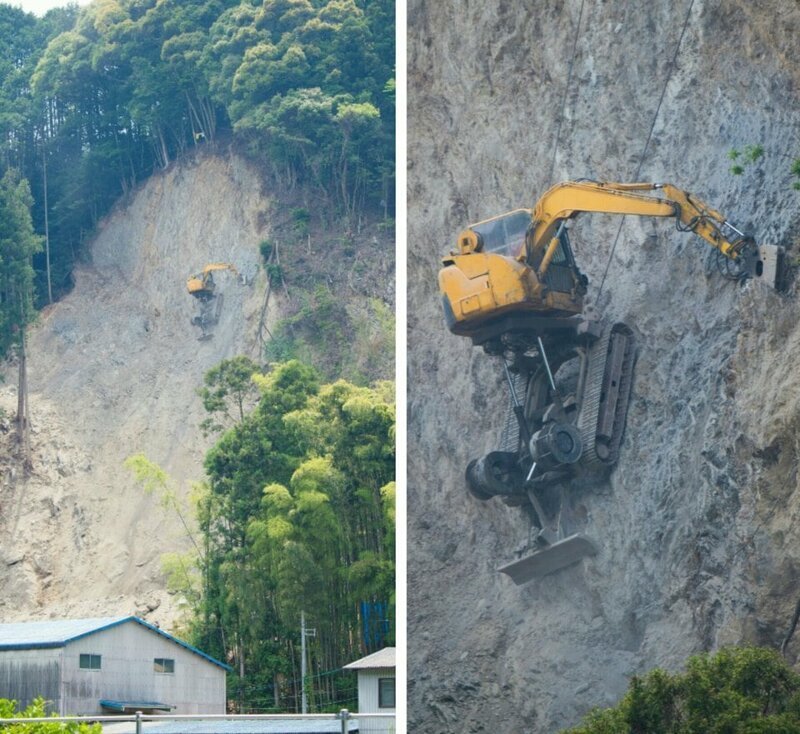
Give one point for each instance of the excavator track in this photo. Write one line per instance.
(606, 396)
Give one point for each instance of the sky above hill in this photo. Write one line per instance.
(40, 7)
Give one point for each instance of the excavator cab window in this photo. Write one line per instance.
(504, 235)
(561, 273)
(562, 256)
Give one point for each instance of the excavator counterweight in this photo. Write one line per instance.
(513, 286)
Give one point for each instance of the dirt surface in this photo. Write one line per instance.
(696, 524)
(113, 370)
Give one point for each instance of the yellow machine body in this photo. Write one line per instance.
(196, 285)
(481, 286)
(201, 285)
(513, 286)
(522, 261)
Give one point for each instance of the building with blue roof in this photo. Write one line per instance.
(106, 665)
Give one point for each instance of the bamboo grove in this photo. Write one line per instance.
(296, 516)
(93, 100)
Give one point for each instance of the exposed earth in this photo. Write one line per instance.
(698, 543)
(113, 370)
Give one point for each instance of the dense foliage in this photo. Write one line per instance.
(297, 516)
(17, 245)
(92, 100)
(735, 691)
(37, 710)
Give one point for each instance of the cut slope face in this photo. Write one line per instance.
(113, 370)
(695, 526)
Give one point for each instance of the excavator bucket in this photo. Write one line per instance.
(550, 559)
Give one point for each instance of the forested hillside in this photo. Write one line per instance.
(219, 487)
(93, 100)
(297, 516)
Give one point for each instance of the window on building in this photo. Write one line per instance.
(89, 662)
(386, 693)
(164, 665)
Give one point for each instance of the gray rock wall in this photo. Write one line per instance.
(696, 526)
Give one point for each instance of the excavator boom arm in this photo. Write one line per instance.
(566, 200)
(218, 266)
(569, 199)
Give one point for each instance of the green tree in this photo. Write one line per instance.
(302, 521)
(736, 691)
(227, 392)
(18, 243)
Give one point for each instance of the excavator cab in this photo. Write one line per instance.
(562, 274)
(501, 235)
(201, 286)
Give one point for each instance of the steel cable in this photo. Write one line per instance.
(649, 138)
(549, 179)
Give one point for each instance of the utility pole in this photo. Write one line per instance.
(303, 634)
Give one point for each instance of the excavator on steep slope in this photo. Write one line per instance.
(514, 288)
(203, 288)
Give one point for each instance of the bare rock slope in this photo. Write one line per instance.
(113, 370)
(697, 525)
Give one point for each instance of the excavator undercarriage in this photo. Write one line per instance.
(569, 382)
(208, 318)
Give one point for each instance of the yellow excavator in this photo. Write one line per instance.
(202, 286)
(514, 288)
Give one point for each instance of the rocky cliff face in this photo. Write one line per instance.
(113, 370)
(696, 525)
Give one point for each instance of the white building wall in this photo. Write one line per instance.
(368, 701)
(27, 674)
(127, 673)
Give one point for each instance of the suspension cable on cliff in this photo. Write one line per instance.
(549, 179)
(649, 138)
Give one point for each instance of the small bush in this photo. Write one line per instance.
(747, 690)
(301, 219)
(36, 710)
(745, 158)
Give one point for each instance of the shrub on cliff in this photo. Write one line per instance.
(738, 691)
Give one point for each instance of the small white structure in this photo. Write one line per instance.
(376, 690)
(107, 665)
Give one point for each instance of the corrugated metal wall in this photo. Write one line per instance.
(368, 701)
(27, 674)
(127, 673)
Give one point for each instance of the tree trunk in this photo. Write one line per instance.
(46, 228)
(23, 413)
